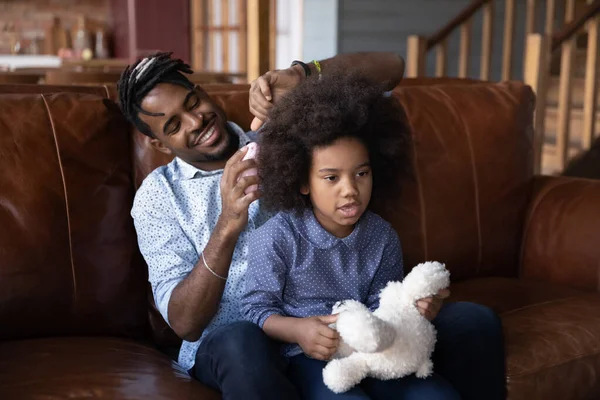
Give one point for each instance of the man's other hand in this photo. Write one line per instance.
(268, 88)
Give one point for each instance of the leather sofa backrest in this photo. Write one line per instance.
(473, 168)
(465, 205)
(67, 243)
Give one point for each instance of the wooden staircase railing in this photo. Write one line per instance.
(419, 46)
(552, 149)
(537, 74)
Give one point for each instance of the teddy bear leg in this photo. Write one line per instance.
(425, 369)
(343, 374)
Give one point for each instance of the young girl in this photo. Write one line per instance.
(327, 149)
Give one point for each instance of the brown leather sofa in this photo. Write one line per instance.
(75, 321)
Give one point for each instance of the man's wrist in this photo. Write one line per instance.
(299, 71)
(314, 71)
(227, 231)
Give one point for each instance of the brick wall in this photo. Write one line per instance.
(32, 18)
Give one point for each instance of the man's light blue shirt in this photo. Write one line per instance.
(175, 212)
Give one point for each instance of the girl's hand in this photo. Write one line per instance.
(429, 307)
(316, 338)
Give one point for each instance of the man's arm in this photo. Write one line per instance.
(378, 67)
(196, 299)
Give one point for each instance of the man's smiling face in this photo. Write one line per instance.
(190, 126)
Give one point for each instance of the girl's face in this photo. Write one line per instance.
(339, 184)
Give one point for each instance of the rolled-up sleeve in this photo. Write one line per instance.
(266, 275)
(169, 254)
(391, 268)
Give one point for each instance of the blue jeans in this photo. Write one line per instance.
(469, 352)
(307, 376)
(243, 363)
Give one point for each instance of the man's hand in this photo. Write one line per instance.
(316, 338)
(429, 307)
(268, 88)
(235, 203)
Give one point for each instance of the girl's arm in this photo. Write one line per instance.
(262, 303)
(390, 269)
(266, 274)
(313, 334)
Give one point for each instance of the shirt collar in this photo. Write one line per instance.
(185, 171)
(312, 231)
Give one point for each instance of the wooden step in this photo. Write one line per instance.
(577, 92)
(579, 63)
(550, 160)
(576, 128)
(550, 164)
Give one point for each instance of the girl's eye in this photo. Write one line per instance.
(330, 178)
(363, 173)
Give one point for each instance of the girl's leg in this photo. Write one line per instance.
(306, 374)
(410, 388)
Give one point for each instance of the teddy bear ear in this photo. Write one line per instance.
(393, 289)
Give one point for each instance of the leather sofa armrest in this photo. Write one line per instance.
(561, 238)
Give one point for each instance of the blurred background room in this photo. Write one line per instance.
(550, 44)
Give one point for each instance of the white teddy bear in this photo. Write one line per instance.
(393, 341)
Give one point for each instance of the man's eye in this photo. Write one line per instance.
(175, 127)
(195, 104)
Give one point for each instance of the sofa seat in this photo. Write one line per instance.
(551, 335)
(92, 367)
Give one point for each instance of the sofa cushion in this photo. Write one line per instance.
(551, 336)
(98, 90)
(107, 368)
(509, 294)
(552, 343)
(67, 243)
(473, 168)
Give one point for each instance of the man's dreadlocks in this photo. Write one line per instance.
(140, 78)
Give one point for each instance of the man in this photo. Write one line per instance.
(193, 219)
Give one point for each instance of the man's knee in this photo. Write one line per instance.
(470, 317)
(471, 327)
(240, 340)
(437, 392)
(485, 317)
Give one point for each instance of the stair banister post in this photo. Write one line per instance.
(416, 49)
(536, 74)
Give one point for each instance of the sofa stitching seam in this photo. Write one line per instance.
(546, 367)
(64, 182)
(475, 177)
(421, 198)
(509, 312)
(530, 218)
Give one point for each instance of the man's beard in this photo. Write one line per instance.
(233, 143)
